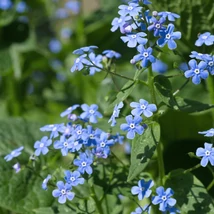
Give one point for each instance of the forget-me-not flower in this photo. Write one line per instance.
(17, 167)
(171, 16)
(55, 46)
(197, 55)
(157, 25)
(115, 113)
(210, 63)
(143, 107)
(45, 182)
(61, 13)
(95, 63)
(64, 144)
(168, 37)
(14, 153)
(86, 49)
(119, 23)
(197, 72)
(73, 178)
(66, 33)
(69, 110)
(21, 7)
(143, 189)
(207, 154)
(90, 113)
(111, 54)
(79, 63)
(132, 9)
(42, 146)
(159, 66)
(53, 128)
(63, 192)
(74, 6)
(132, 126)
(208, 133)
(164, 198)
(5, 4)
(205, 38)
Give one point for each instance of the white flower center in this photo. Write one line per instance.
(207, 153)
(204, 37)
(132, 125)
(157, 25)
(79, 132)
(41, 145)
(102, 144)
(72, 178)
(143, 107)
(196, 71)
(91, 136)
(164, 198)
(168, 36)
(65, 144)
(77, 60)
(63, 191)
(210, 63)
(91, 111)
(133, 36)
(145, 54)
(130, 8)
(84, 163)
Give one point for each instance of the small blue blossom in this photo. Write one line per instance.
(62, 13)
(143, 107)
(143, 189)
(134, 39)
(159, 66)
(171, 210)
(140, 210)
(63, 192)
(171, 16)
(42, 146)
(207, 154)
(53, 128)
(55, 46)
(197, 72)
(90, 136)
(17, 167)
(205, 38)
(115, 113)
(73, 178)
(157, 25)
(101, 152)
(132, 126)
(168, 37)
(79, 63)
(103, 141)
(83, 50)
(197, 55)
(132, 9)
(119, 23)
(14, 153)
(66, 33)
(69, 110)
(45, 182)
(78, 132)
(84, 163)
(90, 112)
(21, 7)
(111, 54)
(146, 2)
(5, 4)
(164, 198)
(74, 6)
(145, 56)
(64, 144)
(208, 133)
(95, 63)
(210, 63)
(118, 138)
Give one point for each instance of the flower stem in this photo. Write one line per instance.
(178, 90)
(159, 146)
(210, 87)
(193, 168)
(98, 203)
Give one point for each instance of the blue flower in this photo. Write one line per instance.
(55, 46)
(197, 55)
(171, 16)
(197, 72)
(157, 25)
(21, 7)
(205, 38)
(132, 126)
(84, 163)
(42, 146)
(145, 56)
(119, 23)
(14, 153)
(207, 154)
(140, 210)
(171, 210)
(90, 112)
(159, 66)
(66, 33)
(95, 63)
(132, 9)
(111, 54)
(83, 50)
(89, 136)
(64, 144)
(134, 39)
(79, 63)
(143, 189)
(143, 107)
(61, 13)
(208, 133)
(78, 132)
(146, 2)
(17, 167)
(103, 141)
(63, 192)
(118, 138)
(54, 128)
(73, 178)
(74, 6)
(115, 114)
(164, 198)
(69, 110)
(168, 37)
(210, 63)
(45, 182)
(5, 4)
(101, 152)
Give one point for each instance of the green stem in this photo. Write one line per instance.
(210, 87)
(178, 90)
(98, 203)
(193, 168)
(210, 185)
(159, 146)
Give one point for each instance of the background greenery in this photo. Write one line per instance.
(34, 91)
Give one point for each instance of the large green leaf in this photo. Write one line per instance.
(190, 193)
(143, 148)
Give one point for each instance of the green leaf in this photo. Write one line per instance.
(143, 148)
(6, 17)
(5, 62)
(190, 193)
(163, 88)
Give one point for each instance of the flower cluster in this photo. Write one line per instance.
(135, 20)
(207, 153)
(163, 198)
(201, 65)
(133, 124)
